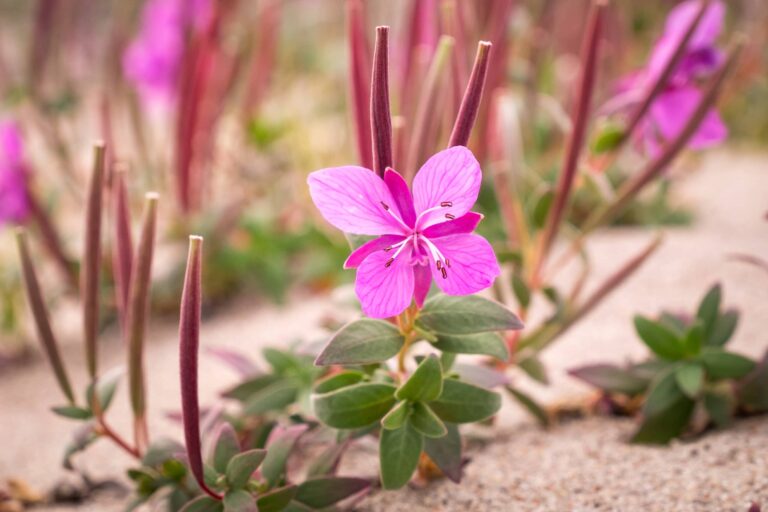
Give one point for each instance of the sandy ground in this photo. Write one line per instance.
(584, 465)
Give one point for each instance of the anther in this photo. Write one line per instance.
(450, 216)
(439, 265)
(447, 263)
(444, 273)
(385, 205)
(389, 262)
(446, 204)
(387, 249)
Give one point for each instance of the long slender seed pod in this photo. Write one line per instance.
(359, 80)
(137, 318)
(589, 60)
(189, 341)
(91, 265)
(470, 104)
(633, 186)
(381, 119)
(122, 248)
(40, 314)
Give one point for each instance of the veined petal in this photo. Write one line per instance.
(452, 177)
(472, 264)
(464, 224)
(422, 282)
(385, 291)
(352, 199)
(377, 244)
(402, 195)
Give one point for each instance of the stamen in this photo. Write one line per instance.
(385, 205)
(398, 219)
(401, 245)
(450, 216)
(444, 273)
(389, 262)
(447, 263)
(439, 265)
(446, 204)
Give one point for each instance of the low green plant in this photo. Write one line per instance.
(691, 381)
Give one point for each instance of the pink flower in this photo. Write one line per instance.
(676, 103)
(153, 60)
(421, 235)
(14, 203)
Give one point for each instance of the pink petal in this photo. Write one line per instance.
(385, 291)
(351, 199)
(452, 176)
(402, 195)
(671, 111)
(377, 244)
(709, 28)
(464, 224)
(473, 265)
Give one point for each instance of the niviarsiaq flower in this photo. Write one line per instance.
(153, 60)
(14, 201)
(421, 234)
(671, 109)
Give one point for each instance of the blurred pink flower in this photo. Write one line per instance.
(153, 60)
(14, 203)
(673, 107)
(422, 235)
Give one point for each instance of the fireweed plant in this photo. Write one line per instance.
(690, 382)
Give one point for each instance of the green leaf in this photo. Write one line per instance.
(276, 499)
(354, 406)
(445, 452)
(73, 412)
(521, 290)
(226, 447)
(242, 466)
(666, 424)
(663, 393)
(533, 367)
(203, 504)
(659, 338)
(106, 385)
(612, 379)
(322, 492)
(485, 343)
(327, 461)
(724, 327)
(426, 421)
(694, 339)
(469, 314)
(362, 342)
(725, 365)
(339, 380)
(530, 405)
(399, 452)
(752, 391)
(281, 361)
(719, 408)
(161, 450)
(245, 390)
(690, 379)
(608, 138)
(239, 501)
(541, 208)
(396, 417)
(464, 403)
(274, 397)
(279, 448)
(425, 383)
(709, 308)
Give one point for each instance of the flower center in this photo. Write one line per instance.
(417, 238)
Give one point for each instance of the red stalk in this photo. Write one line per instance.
(470, 105)
(263, 63)
(381, 121)
(189, 342)
(122, 250)
(589, 57)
